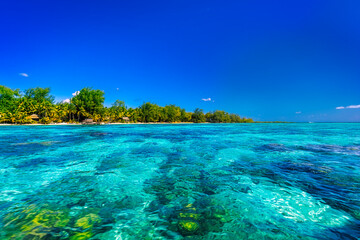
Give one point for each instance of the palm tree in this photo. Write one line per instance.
(63, 112)
(2, 117)
(72, 111)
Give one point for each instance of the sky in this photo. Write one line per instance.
(270, 60)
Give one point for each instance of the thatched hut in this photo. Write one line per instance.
(34, 117)
(88, 121)
(126, 119)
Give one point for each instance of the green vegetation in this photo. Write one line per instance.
(45, 222)
(37, 104)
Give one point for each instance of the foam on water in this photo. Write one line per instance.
(207, 181)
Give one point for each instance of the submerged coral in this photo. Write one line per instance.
(47, 222)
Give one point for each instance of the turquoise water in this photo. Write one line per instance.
(199, 181)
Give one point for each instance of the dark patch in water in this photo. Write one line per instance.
(273, 147)
(304, 167)
(33, 163)
(135, 140)
(112, 163)
(322, 182)
(330, 149)
(149, 149)
(177, 182)
(99, 134)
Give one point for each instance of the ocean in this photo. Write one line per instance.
(180, 181)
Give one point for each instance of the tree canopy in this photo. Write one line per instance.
(8, 98)
(88, 103)
(18, 107)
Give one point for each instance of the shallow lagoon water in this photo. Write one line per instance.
(181, 181)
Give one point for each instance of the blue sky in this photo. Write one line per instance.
(269, 60)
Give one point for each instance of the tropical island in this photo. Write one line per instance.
(37, 105)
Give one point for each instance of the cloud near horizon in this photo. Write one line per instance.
(350, 106)
(299, 112)
(24, 74)
(66, 100)
(353, 106)
(206, 99)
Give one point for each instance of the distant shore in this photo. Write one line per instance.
(130, 123)
(63, 124)
(141, 123)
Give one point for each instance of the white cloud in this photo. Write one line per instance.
(299, 112)
(24, 74)
(206, 99)
(76, 93)
(117, 89)
(351, 106)
(66, 101)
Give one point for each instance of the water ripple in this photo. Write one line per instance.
(205, 181)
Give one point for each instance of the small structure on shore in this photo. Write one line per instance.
(126, 119)
(34, 117)
(88, 121)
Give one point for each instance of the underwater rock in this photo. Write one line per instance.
(32, 163)
(304, 167)
(199, 221)
(188, 226)
(182, 193)
(273, 147)
(109, 164)
(217, 211)
(88, 221)
(129, 202)
(166, 212)
(99, 134)
(188, 220)
(33, 222)
(212, 225)
(154, 206)
(187, 174)
(85, 225)
(323, 148)
(170, 196)
(218, 215)
(221, 172)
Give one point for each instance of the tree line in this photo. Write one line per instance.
(20, 106)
